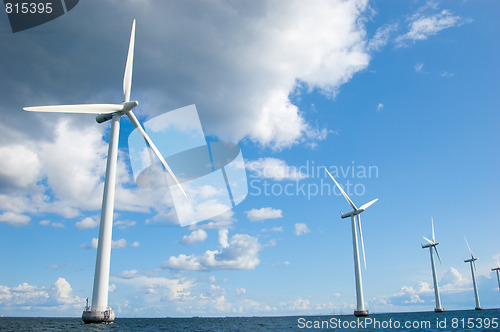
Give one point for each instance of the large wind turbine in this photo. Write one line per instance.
(498, 276)
(472, 262)
(99, 311)
(430, 245)
(360, 306)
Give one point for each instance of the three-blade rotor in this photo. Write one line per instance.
(433, 243)
(106, 111)
(472, 258)
(356, 212)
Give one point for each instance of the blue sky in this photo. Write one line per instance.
(408, 90)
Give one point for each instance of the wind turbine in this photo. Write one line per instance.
(472, 262)
(430, 245)
(360, 307)
(99, 311)
(498, 276)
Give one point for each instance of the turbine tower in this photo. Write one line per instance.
(99, 312)
(472, 262)
(433, 244)
(360, 306)
(498, 276)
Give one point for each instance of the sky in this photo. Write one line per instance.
(398, 99)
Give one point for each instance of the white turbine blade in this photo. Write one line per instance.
(127, 78)
(471, 255)
(150, 153)
(365, 206)
(342, 191)
(361, 237)
(437, 253)
(136, 123)
(82, 108)
(426, 239)
(433, 236)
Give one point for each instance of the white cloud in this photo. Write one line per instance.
(57, 297)
(419, 67)
(14, 219)
(381, 37)
(274, 229)
(301, 229)
(242, 253)
(240, 291)
(411, 295)
(263, 214)
(68, 178)
(160, 287)
(272, 168)
(380, 106)
(112, 288)
(321, 45)
(453, 281)
(118, 244)
(64, 291)
(19, 166)
(426, 22)
(447, 74)
(87, 223)
(298, 304)
(124, 224)
(198, 235)
(221, 221)
(223, 238)
(50, 223)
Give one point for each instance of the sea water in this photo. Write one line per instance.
(464, 320)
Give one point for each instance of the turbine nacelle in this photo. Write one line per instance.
(470, 260)
(427, 245)
(350, 214)
(356, 211)
(127, 107)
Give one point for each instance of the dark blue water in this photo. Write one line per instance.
(485, 320)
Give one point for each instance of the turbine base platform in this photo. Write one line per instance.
(98, 316)
(360, 313)
(439, 310)
(479, 308)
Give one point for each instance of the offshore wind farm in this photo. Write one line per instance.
(331, 101)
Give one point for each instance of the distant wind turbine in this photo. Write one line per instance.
(360, 306)
(498, 276)
(99, 311)
(430, 245)
(472, 262)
